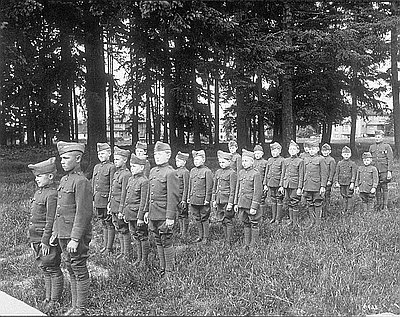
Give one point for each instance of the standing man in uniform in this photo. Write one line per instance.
(183, 175)
(382, 159)
(72, 228)
(236, 161)
(367, 182)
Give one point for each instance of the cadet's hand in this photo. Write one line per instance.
(265, 188)
(206, 203)
(351, 186)
(357, 190)
(299, 191)
(214, 204)
(146, 217)
(169, 223)
(281, 190)
(235, 208)
(328, 183)
(253, 211)
(337, 184)
(373, 190)
(322, 190)
(120, 215)
(45, 249)
(389, 175)
(52, 241)
(140, 222)
(126, 221)
(72, 246)
(229, 206)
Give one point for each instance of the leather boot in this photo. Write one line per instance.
(370, 206)
(57, 284)
(229, 234)
(180, 222)
(200, 231)
(145, 253)
(138, 252)
(290, 209)
(82, 291)
(71, 311)
(385, 198)
(127, 246)
(273, 211)
(185, 223)
(295, 218)
(379, 199)
(110, 240)
(206, 232)
(121, 245)
(346, 204)
(169, 253)
(161, 257)
(105, 240)
(279, 207)
(255, 237)
(247, 237)
(350, 204)
(318, 214)
(47, 287)
(312, 215)
(263, 209)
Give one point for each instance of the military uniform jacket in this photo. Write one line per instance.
(136, 196)
(331, 165)
(200, 185)
(236, 162)
(43, 210)
(74, 207)
(292, 173)
(315, 173)
(346, 171)
(367, 178)
(118, 189)
(163, 193)
(382, 156)
(273, 171)
(248, 189)
(183, 175)
(101, 183)
(260, 165)
(147, 169)
(224, 186)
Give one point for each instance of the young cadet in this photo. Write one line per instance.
(72, 228)
(236, 161)
(199, 195)
(382, 159)
(183, 175)
(101, 183)
(247, 199)
(306, 146)
(331, 165)
(292, 181)
(315, 179)
(260, 164)
(367, 181)
(140, 152)
(117, 199)
(272, 178)
(135, 202)
(43, 210)
(163, 199)
(223, 194)
(345, 176)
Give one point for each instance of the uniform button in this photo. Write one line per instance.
(58, 215)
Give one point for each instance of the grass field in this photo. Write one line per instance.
(349, 267)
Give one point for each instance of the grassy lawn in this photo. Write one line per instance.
(349, 267)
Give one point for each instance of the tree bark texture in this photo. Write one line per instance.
(394, 50)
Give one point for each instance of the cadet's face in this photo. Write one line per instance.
(258, 154)
(233, 149)
(346, 156)
(306, 149)
(247, 161)
(293, 150)
(161, 157)
(198, 161)
(275, 152)
(104, 155)
(119, 160)
(313, 150)
(136, 168)
(179, 162)
(223, 163)
(43, 179)
(140, 153)
(326, 152)
(378, 138)
(367, 161)
(69, 161)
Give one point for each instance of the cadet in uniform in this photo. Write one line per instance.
(315, 179)
(272, 178)
(260, 164)
(117, 199)
(101, 183)
(199, 195)
(163, 197)
(292, 182)
(367, 182)
(223, 194)
(135, 202)
(345, 176)
(236, 161)
(72, 225)
(248, 198)
(140, 151)
(183, 175)
(331, 165)
(382, 159)
(43, 210)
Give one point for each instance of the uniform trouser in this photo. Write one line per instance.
(183, 212)
(327, 199)
(347, 197)
(201, 215)
(141, 236)
(314, 204)
(120, 225)
(251, 225)
(163, 238)
(368, 200)
(276, 203)
(293, 204)
(226, 218)
(105, 218)
(76, 264)
(382, 190)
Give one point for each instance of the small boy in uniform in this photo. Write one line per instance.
(223, 194)
(367, 181)
(315, 179)
(236, 161)
(382, 159)
(140, 152)
(331, 165)
(183, 175)
(163, 199)
(117, 199)
(345, 175)
(72, 228)
(272, 178)
(199, 195)
(101, 183)
(260, 164)
(43, 210)
(292, 181)
(248, 198)
(135, 202)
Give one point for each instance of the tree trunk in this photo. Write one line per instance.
(196, 123)
(110, 65)
(242, 130)
(277, 128)
(326, 132)
(3, 139)
(395, 80)
(134, 91)
(216, 100)
(260, 121)
(353, 115)
(210, 135)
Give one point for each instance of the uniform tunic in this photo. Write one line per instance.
(101, 183)
(236, 162)
(331, 165)
(292, 179)
(346, 171)
(224, 192)
(272, 177)
(200, 192)
(382, 159)
(117, 198)
(367, 178)
(315, 177)
(183, 175)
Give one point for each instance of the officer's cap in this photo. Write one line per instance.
(121, 152)
(64, 147)
(258, 147)
(326, 147)
(247, 153)
(103, 146)
(366, 155)
(136, 160)
(224, 155)
(346, 149)
(199, 153)
(182, 156)
(379, 132)
(141, 145)
(45, 167)
(232, 143)
(161, 146)
(292, 143)
(275, 145)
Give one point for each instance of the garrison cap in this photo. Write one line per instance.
(258, 147)
(232, 143)
(312, 142)
(122, 152)
(103, 146)
(292, 143)
(141, 145)
(64, 147)
(346, 149)
(379, 132)
(45, 167)
(247, 153)
(161, 146)
(136, 160)
(199, 153)
(326, 146)
(275, 145)
(366, 155)
(182, 156)
(224, 155)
